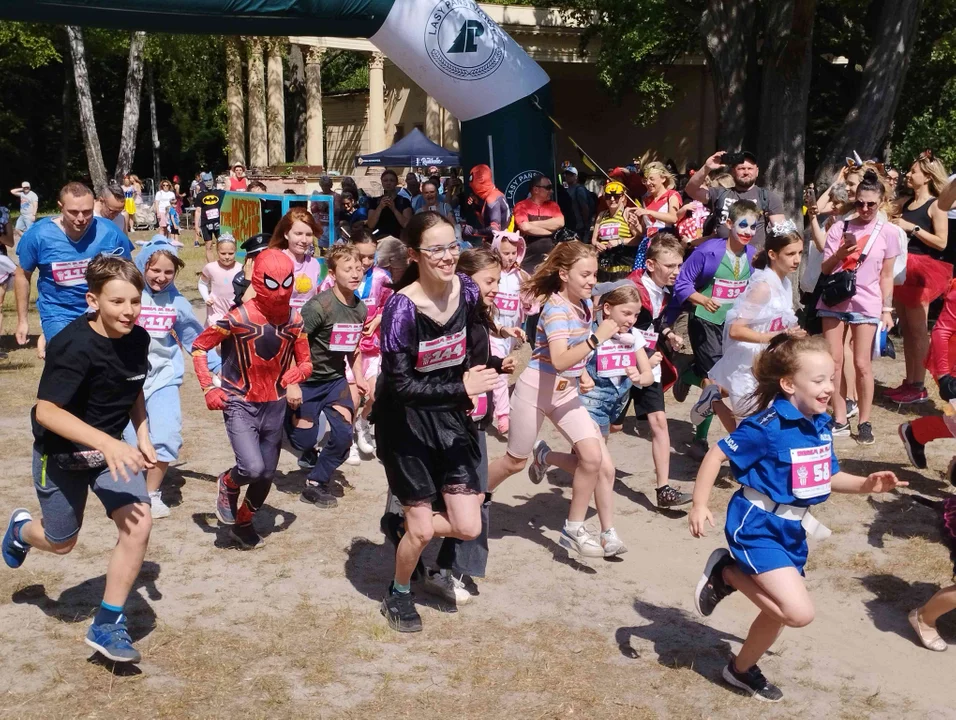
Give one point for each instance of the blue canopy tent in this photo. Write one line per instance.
(413, 150)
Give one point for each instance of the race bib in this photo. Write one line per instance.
(650, 339)
(507, 302)
(613, 359)
(345, 337)
(810, 471)
(157, 321)
(297, 301)
(446, 351)
(726, 291)
(481, 407)
(776, 325)
(212, 214)
(69, 274)
(609, 232)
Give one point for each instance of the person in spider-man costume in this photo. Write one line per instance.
(263, 351)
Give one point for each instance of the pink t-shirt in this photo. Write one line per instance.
(306, 283)
(868, 299)
(220, 290)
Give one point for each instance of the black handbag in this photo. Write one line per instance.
(840, 286)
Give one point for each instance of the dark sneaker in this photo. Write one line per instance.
(4, 355)
(668, 497)
(393, 525)
(864, 434)
(752, 682)
(915, 451)
(227, 501)
(711, 588)
(698, 448)
(399, 609)
(680, 389)
(246, 536)
(840, 429)
(112, 641)
(14, 551)
(308, 459)
(852, 408)
(318, 495)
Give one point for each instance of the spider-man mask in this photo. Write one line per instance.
(272, 279)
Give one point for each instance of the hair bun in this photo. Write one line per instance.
(870, 176)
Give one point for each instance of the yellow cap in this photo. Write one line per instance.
(614, 188)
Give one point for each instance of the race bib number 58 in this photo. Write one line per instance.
(810, 471)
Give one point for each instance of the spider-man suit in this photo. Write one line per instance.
(259, 340)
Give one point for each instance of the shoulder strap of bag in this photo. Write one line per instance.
(869, 243)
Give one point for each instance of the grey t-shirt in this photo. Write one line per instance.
(334, 330)
(729, 197)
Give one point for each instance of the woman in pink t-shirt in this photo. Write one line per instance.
(295, 236)
(215, 281)
(870, 306)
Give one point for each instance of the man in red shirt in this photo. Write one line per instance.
(238, 180)
(537, 219)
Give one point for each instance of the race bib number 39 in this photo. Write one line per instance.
(446, 351)
(345, 337)
(157, 321)
(810, 471)
(69, 274)
(726, 291)
(613, 359)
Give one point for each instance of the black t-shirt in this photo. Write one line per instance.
(209, 204)
(387, 222)
(92, 377)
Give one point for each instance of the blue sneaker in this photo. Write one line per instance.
(227, 501)
(113, 641)
(14, 551)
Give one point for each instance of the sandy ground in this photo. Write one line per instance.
(293, 629)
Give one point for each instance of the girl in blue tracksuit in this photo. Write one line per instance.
(168, 318)
(783, 458)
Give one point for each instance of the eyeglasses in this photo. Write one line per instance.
(863, 205)
(438, 251)
(545, 187)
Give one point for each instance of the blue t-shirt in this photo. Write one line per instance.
(61, 284)
(782, 454)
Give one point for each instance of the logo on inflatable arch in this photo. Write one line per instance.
(462, 41)
(520, 186)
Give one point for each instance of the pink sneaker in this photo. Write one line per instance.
(892, 393)
(911, 394)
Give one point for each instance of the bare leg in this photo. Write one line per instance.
(604, 490)
(590, 456)
(915, 341)
(833, 333)
(660, 447)
(725, 415)
(941, 603)
(503, 468)
(564, 461)
(462, 521)
(155, 475)
(134, 523)
(849, 374)
(863, 363)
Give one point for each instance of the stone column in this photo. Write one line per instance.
(451, 132)
(315, 133)
(276, 102)
(258, 144)
(376, 102)
(433, 121)
(235, 113)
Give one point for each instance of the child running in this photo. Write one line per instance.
(764, 310)
(783, 457)
(426, 441)
(264, 351)
(333, 321)
(550, 385)
(923, 619)
(91, 388)
(215, 280)
(295, 236)
(168, 318)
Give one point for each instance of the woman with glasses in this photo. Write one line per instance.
(537, 218)
(867, 243)
(165, 198)
(927, 274)
(426, 441)
(617, 232)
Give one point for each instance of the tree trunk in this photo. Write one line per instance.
(295, 103)
(727, 29)
(66, 124)
(787, 63)
(154, 129)
(84, 99)
(869, 121)
(134, 84)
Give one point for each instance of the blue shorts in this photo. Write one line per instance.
(52, 326)
(761, 541)
(606, 402)
(852, 318)
(165, 421)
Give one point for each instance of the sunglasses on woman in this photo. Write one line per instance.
(864, 205)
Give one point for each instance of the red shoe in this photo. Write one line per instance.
(911, 394)
(892, 393)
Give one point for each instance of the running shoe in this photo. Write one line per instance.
(915, 451)
(157, 508)
(246, 536)
(319, 495)
(680, 388)
(363, 437)
(399, 609)
(704, 407)
(864, 434)
(4, 355)
(227, 501)
(539, 464)
(443, 583)
(581, 542)
(612, 544)
(393, 525)
(752, 682)
(911, 395)
(929, 640)
(840, 429)
(112, 641)
(354, 458)
(893, 392)
(711, 588)
(852, 408)
(698, 448)
(308, 459)
(668, 497)
(14, 551)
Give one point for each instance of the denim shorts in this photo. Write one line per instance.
(165, 424)
(606, 402)
(853, 318)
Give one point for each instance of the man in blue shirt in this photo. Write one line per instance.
(61, 248)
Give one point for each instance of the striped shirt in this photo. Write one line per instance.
(560, 319)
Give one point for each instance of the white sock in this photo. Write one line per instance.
(573, 527)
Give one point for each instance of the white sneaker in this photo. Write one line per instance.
(612, 544)
(363, 436)
(704, 407)
(354, 457)
(157, 508)
(539, 467)
(444, 584)
(581, 542)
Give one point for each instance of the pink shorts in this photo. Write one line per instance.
(371, 367)
(537, 396)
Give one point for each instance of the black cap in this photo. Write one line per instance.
(256, 244)
(741, 156)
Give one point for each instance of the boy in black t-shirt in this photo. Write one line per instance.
(333, 321)
(91, 387)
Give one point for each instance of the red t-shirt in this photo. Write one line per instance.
(528, 210)
(238, 183)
